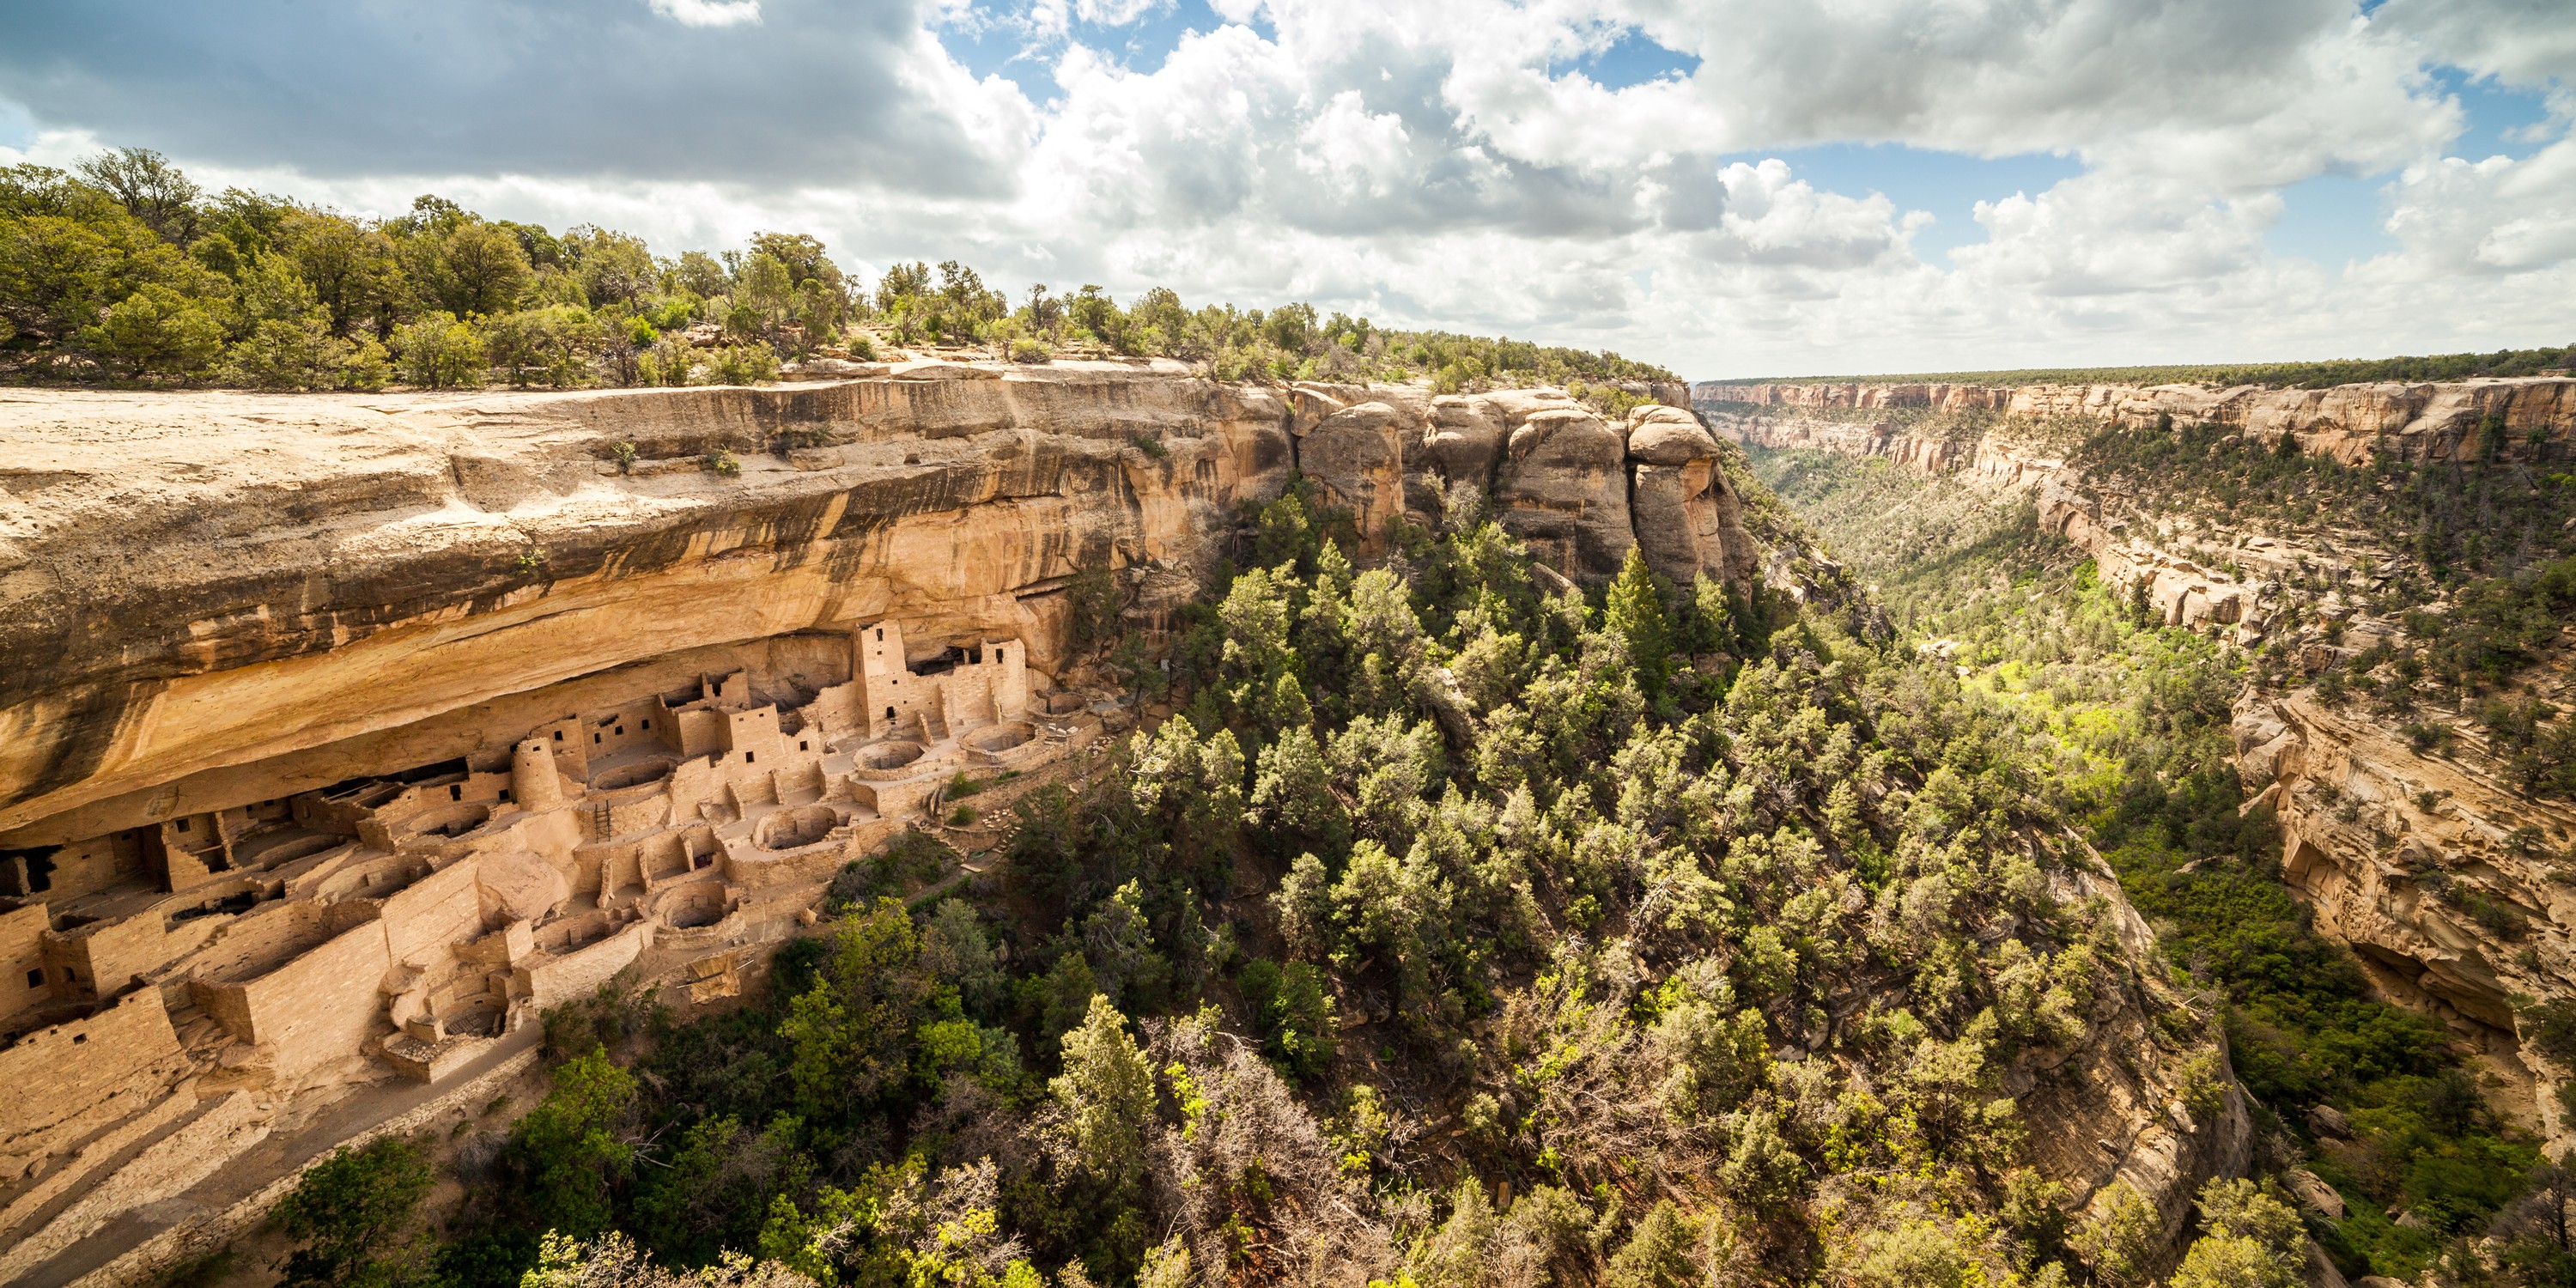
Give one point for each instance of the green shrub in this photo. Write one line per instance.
(1293, 1013)
(557, 345)
(573, 1147)
(670, 361)
(348, 1208)
(754, 363)
(436, 351)
(2494, 915)
(364, 366)
(156, 329)
(2202, 1087)
(911, 860)
(285, 353)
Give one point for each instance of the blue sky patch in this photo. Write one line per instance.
(2500, 118)
(1632, 59)
(999, 47)
(2332, 219)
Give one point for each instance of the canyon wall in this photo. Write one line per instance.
(340, 735)
(2410, 421)
(2436, 868)
(198, 583)
(2431, 863)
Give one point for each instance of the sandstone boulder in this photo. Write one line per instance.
(1668, 436)
(1564, 488)
(1309, 407)
(521, 886)
(1688, 520)
(1463, 440)
(2313, 1193)
(1356, 458)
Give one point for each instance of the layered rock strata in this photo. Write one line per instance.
(2425, 421)
(1580, 489)
(224, 579)
(2440, 872)
(2444, 876)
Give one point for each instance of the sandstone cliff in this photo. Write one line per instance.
(2416, 422)
(2413, 859)
(2431, 864)
(340, 735)
(195, 584)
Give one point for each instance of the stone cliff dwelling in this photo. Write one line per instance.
(413, 917)
(316, 790)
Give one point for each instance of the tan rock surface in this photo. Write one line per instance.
(226, 577)
(2391, 847)
(1356, 457)
(2411, 421)
(1563, 487)
(1688, 519)
(1464, 439)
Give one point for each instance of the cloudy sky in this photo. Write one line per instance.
(1729, 187)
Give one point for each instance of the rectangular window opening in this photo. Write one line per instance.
(746, 758)
(36, 978)
(455, 792)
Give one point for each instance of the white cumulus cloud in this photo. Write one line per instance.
(1118, 13)
(1538, 168)
(708, 13)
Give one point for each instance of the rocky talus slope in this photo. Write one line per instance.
(2443, 874)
